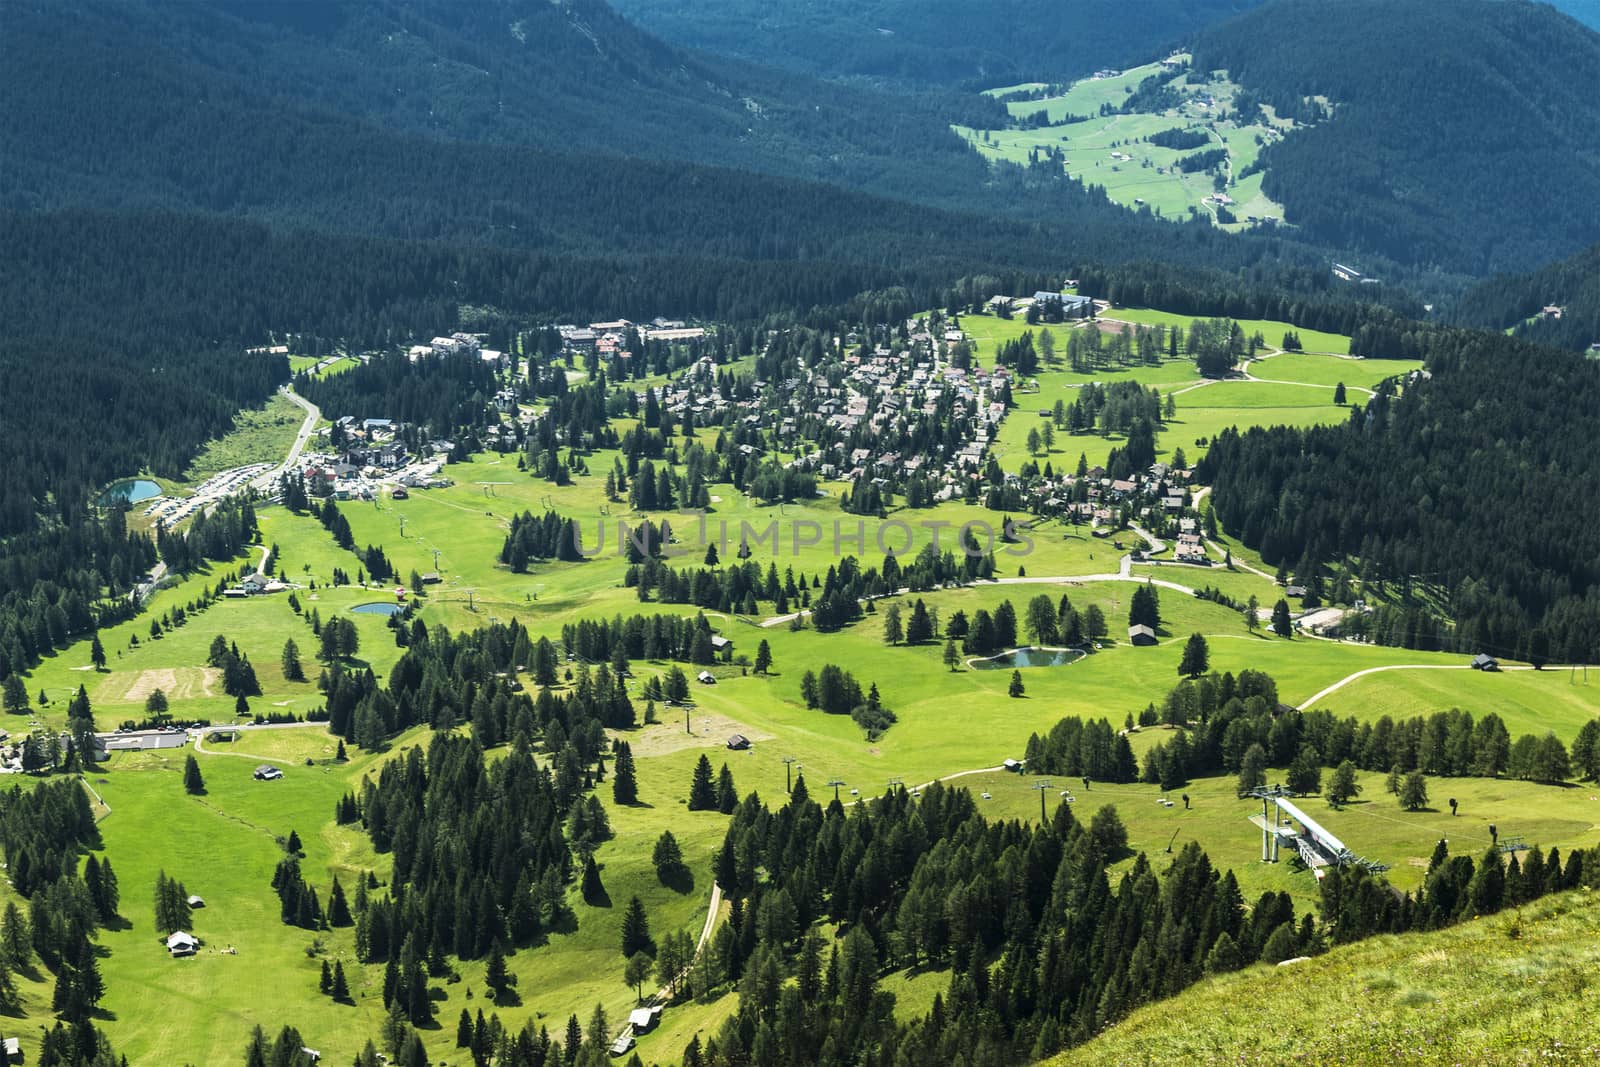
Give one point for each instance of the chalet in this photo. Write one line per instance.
(1295, 591)
(13, 1050)
(431, 578)
(1013, 765)
(182, 944)
(643, 1020)
(1141, 635)
(1485, 662)
(739, 743)
(706, 678)
(622, 1045)
(720, 643)
(267, 773)
(196, 901)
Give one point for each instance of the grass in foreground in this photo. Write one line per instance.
(1513, 988)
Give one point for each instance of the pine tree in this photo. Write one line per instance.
(624, 786)
(1015, 689)
(594, 893)
(1252, 769)
(325, 983)
(727, 867)
(1343, 787)
(1414, 791)
(293, 671)
(636, 929)
(341, 988)
(338, 909)
(668, 858)
(727, 794)
(763, 662)
(1280, 619)
(1224, 955)
(1196, 657)
(893, 631)
(193, 784)
(496, 977)
(97, 652)
(292, 844)
(702, 794)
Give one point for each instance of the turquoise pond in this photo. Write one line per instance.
(132, 491)
(1029, 657)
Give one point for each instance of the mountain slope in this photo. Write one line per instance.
(570, 75)
(1464, 135)
(1573, 285)
(1513, 988)
(933, 42)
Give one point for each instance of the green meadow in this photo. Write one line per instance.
(258, 436)
(1111, 150)
(1290, 389)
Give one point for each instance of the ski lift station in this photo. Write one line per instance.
(1282, 823)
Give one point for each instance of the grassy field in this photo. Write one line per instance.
(1513, 988)
(1111, 151)
(1293, 390)
(258, 436)
(1529, 701)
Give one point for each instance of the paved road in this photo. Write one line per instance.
(266, 481)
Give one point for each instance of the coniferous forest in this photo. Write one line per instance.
(1437, 486)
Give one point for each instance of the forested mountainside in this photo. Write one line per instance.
(1519, 300)
(1464, 136)
(1473, 487)
(568, 76)
(934, 42)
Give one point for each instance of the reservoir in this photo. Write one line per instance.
(379, 608)
(132, 491)
(1029, 657)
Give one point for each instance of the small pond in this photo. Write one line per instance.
(382, 607)
(131, 492)
(1029, 657)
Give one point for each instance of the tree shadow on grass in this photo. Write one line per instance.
(679, 879)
